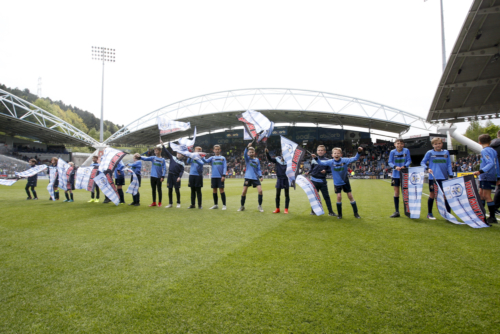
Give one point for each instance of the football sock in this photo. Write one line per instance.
(56, 194)
(170, 195)
(92, 194)
(260, 199)
(223, 197)
(354, 206)
(491, 208)
(216, 199)
(483, 203)
(27, 191)
(243, 199)
(122, 195)
(339, 208)
(278, 198)
(448, 208)
(34, 193)
(71, 195)
(396, 203)
(430, 203)
(67, 197)
(178, 195)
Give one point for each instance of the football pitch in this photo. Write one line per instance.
(101, 268)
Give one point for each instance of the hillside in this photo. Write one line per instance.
(81, 119)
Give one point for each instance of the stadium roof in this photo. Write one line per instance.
(469, 87)
(21, 118)
(217, 111)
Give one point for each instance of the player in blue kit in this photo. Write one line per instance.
(340, 180)
(95, 164)
(175, 171)
(281, 181)
(489, 175)
(253, 176)
(158, 171)
(32, 180)
(136, 167)
(318, 178)
(399, 158)
(439, 170)
(195, 179)
(219, 168)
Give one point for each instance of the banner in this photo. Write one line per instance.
(185, 144)
(312, 195)
(330, 134)
(412, 183)
(82, 177)
(105, 183)
(62, 168)
(32, 171)
(133, 188)
(8, 182)
(293, 155)
(460, 174)
(110, 159)
(463, 197)
(255, 126)
(441, 205)
(168, 126)
(50, 186)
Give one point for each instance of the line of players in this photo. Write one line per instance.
(436, 161)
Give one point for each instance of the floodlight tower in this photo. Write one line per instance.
(104, 54)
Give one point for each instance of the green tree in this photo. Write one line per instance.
(492, 129)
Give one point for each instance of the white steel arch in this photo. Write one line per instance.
(20, 109)
(279, 99)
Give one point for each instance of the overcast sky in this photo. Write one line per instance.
(386, 51)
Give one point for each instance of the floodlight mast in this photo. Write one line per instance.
(104, 54)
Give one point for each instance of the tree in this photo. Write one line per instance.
(492, 129)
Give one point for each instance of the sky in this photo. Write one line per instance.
(386, 51)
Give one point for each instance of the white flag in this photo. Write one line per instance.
(32, 171)
(167, 126)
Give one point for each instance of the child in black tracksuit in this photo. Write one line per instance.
(281, 182)
(175, 171)
(32, 180)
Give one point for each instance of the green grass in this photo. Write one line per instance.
(95, 268)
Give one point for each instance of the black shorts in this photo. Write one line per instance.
(396, 182)
(217, 183)
(56, 183)
(120, 181)
(172, 181)
(346, 187)
(432, 188)
(282, 184)
(195, 181)
(253, 183)
(488, 185)
(138, 179)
